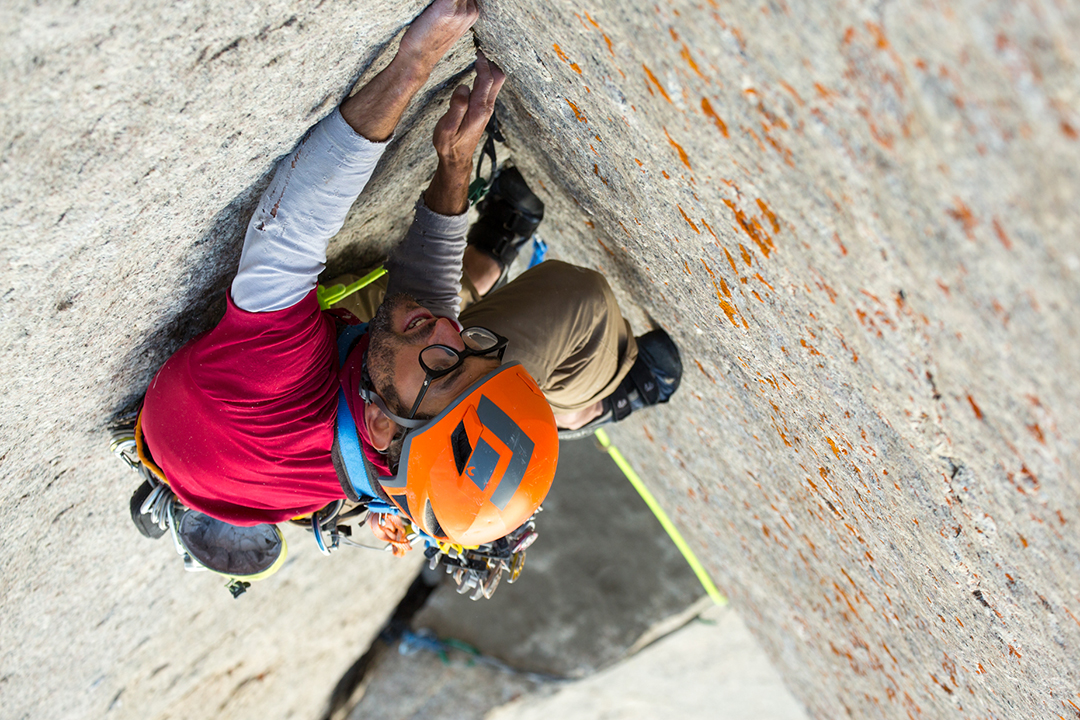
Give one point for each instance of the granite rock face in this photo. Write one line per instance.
(859, 220)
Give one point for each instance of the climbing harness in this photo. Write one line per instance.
(246, 554)
(242, 555)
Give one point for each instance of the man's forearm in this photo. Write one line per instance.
(426, 264)
(375, 110)
(448, 193)
(457, 135)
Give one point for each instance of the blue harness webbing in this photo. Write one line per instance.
(348, 437)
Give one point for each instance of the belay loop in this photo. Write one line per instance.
(479, 187)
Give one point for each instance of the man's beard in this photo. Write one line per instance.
(382, 342)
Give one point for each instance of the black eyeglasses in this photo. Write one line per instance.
(440, 360)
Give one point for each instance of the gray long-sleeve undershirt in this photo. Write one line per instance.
(427, 263)
(306, 205)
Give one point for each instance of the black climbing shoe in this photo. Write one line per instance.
(653, 379)
(509, 215)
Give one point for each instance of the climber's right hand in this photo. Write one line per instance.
(434, 32)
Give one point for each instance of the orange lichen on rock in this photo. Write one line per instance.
(975, 407)
(703, 372)
(962, 214)
(707, 227)
(753, 229)
(832, 446)
(879, 35)
(722, 291)
(706, 107)
(750, 131)
(823, 91)
(577, 112)
(649, 74)
(679, 148)
(785, 153)
(685, 53)
(731, 261)
(1000, 232)
(793, 93)
(688, 220)
(770, 215)
(746, 256)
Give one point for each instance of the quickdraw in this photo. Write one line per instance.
(480, 569)
(479, 187)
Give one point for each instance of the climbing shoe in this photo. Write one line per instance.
(653, 379)
(509, 215)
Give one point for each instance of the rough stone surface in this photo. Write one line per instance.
(710, 669)
(419, 684)
(859, 220)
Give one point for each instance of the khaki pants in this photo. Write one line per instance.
(562, 321)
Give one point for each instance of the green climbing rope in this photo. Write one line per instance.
(665, 521)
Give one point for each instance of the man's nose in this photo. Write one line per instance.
(447, 334)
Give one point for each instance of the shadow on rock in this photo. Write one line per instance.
(210, 264)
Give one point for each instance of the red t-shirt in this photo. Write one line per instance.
(241, 419)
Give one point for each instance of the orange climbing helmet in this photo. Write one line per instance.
(480, 468)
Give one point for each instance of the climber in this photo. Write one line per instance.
(442, 418)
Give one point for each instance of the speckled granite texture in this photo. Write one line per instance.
(859, 220)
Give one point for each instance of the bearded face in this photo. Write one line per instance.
(384, 345)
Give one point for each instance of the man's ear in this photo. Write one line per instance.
(381, 429)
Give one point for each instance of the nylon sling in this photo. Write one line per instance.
(356, 481)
